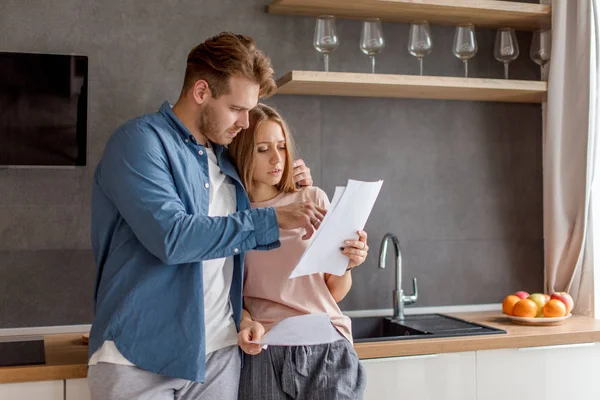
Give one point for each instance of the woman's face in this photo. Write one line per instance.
(269, 154)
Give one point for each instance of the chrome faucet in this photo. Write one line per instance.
(400, 300)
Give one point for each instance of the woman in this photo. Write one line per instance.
(263, 155)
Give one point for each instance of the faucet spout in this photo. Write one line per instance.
(399, 299)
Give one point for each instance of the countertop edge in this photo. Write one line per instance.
(457, 345)
(66, 355)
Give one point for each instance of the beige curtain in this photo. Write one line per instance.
(569, 153)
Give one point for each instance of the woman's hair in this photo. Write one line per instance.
(223, 56)
(243, 148)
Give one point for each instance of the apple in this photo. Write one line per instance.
(522, 295)
(540, 301)
(547, 297)
(565, 298)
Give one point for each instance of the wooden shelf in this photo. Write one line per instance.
(485, 13)
(411, 86)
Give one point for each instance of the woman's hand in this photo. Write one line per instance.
(250, 330)
(356, 250)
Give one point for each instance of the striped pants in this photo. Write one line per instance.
(322, 372)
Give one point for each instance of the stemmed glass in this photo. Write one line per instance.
(419, 41)
(465, 44)
(541, 47)
(371, 39)
(506, 48)
(325, 38)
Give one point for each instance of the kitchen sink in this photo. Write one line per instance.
(420, 326)
(381, 328)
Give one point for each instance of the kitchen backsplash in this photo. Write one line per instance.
(462, 180)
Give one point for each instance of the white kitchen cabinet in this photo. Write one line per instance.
(46, 390)
(449, 376)
(540, 373)
(77, 389)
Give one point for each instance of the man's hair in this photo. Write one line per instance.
(227, 54)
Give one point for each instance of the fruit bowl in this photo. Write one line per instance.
(541, 321)
(538, 309)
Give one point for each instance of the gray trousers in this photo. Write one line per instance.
(122, 382)
(322, 372)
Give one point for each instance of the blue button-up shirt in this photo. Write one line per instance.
(150, 234)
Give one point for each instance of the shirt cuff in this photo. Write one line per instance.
(266, 230)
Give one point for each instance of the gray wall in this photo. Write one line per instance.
(463, 180)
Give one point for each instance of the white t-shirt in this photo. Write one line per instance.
(217, 274)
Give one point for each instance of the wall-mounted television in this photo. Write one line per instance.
(43, 110)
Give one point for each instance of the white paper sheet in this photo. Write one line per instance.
(304, 330)
(350, 208)
(337, 195)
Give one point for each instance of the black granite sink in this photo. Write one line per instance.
(423, 326)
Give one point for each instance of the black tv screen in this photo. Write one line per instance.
(43, 109)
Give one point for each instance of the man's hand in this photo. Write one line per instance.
(302, 176)
(300, 215)
(250, 330)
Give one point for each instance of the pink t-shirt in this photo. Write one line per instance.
(269, 295)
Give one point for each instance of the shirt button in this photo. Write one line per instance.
(187, 140)
(236, 250)
(200, 152)
(206, 185)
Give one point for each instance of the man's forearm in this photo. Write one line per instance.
(135, 177)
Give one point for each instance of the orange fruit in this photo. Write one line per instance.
(525, 308)
(508, 304)
(554, 308)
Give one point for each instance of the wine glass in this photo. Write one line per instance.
(541, 47)
(465, 44)
(325, 39)
(506, 48)
(371, 39)
(419, 41)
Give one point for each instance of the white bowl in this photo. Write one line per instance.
(538, 321)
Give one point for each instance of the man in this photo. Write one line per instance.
(170, 225)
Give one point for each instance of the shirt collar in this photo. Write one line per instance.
(167, 112)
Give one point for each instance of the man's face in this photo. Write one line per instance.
(223, 118)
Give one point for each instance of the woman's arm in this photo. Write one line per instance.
(246, 319)
(356, 251)
(339, 286)
(250, 330)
